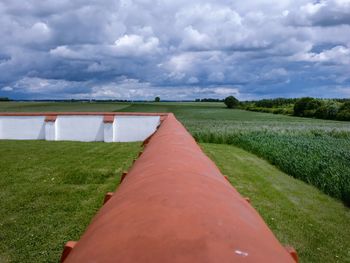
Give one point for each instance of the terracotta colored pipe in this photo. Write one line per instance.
(176, 206)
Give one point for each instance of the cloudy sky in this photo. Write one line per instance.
(175, 49)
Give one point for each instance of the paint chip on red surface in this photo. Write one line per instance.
(241, 253)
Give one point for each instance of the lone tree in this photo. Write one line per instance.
(157, 99)
(231, 102)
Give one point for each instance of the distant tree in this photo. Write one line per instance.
(328, 110)
(157, 99)
(277, 102)
(344, 112)
(4, 99)
(231, 102)
(210, 100)
(306, 106)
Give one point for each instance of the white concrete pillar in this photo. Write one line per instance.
(108, 132)
(50, 131)
(108, 128)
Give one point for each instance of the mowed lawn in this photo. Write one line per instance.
(298, 214)
(50, 191)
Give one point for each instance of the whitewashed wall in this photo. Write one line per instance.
(78, 128)
(134, 128)
(22, 127)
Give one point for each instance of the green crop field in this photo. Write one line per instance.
(59, 106)
(299, 215)
(314, 151)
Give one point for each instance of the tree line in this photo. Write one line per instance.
(330, 109)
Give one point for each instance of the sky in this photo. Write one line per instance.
(174, 49)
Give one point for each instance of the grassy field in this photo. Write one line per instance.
(315, 151)
(50, 197)
(51, 190)
(59, 106)
(299, 215)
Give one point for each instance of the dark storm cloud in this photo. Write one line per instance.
(138, 49)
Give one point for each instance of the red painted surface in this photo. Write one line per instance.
(68, 247)
(175, 206)
(292, 252)
(107, 197)
(108, 118)
(51, 118)
(123, 176)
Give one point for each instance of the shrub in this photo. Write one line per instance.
(231, 102)
(270, 103)
(344, 112)
(278, 111)
(328, 110)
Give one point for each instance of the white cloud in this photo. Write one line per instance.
(130, 45)
(194, 39)
(336, 55)
(322, 13)
(7, 88)
(172, 48)
(64, 52)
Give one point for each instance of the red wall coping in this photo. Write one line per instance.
(108, 118)
(81, 113)
(51, 118)
(174, 205)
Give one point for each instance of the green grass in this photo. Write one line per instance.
(298, 214)
(51, 190)
(60, 106)
(315, 151)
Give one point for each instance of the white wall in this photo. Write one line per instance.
(22, 127)
(79, 128)
(50, 131)
(134, 128)
(108, 132)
